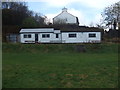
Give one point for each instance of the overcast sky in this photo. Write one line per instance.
(87, 11)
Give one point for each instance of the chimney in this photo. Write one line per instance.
(64, 9)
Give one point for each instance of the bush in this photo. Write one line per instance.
(59, 48)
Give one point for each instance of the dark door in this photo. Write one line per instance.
(36, 37)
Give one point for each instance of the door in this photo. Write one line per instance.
(36, 37)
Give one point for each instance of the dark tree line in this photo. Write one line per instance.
(17, 13)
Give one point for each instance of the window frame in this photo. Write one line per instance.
(72, 35)
(27, 36)
(45, 35)
(92, 35)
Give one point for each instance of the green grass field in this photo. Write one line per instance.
(60, 66)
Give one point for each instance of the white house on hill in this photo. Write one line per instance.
(50, 35)
(65, 18)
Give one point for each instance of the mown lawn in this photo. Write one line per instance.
(60, 69)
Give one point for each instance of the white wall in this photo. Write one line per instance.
(81, 37)
(63, 16)
(51, 39)
(30, 40)
(97, 39)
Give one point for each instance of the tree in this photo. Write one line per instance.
(111, 15)
(17, 14)
(39, 19)
(29, 22)
(13, 13)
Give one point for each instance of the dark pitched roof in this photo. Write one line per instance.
(76, 28)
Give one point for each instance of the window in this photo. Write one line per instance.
(45, 35)
(72, 35)
(48, 35)
(92, 35)
(27, 36)
(56, 35)
(65, 19)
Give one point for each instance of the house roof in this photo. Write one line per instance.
(62, 28)
(72, 28)
(37, 30)
(63, 12)
(80, 29)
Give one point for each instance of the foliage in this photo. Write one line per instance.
(111, 15)
(14, 13)
(39, 19)
(29, 22)
(57, 48)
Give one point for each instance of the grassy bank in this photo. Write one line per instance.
(57, 48)
(60, 66)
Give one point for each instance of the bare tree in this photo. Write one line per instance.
(111, 15)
